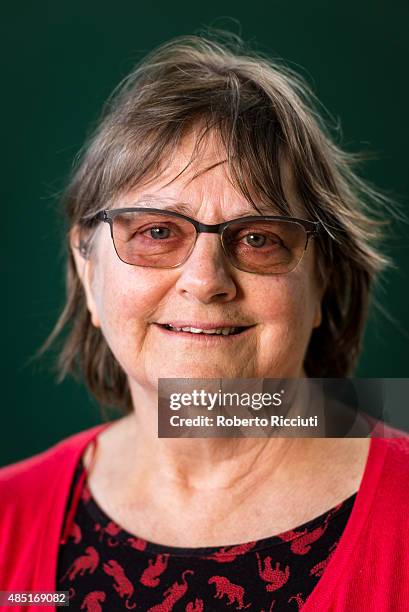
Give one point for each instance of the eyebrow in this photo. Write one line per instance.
(166, 203)
(169, 203)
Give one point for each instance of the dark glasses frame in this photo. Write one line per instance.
(311, 228)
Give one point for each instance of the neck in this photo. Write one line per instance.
(197, 465)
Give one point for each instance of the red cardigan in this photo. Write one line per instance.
(369, 569)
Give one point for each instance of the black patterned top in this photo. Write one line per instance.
(105, 567)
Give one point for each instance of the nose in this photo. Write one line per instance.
(206, 275)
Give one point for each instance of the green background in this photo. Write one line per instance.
(60, 62)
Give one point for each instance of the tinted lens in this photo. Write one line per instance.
(152, 239)
(265, 247)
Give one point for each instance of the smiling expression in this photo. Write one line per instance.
(132, 304)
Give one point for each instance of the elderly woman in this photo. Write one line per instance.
(216, 231)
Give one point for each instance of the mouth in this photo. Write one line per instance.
(217, 332)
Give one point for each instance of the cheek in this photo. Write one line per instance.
(287, 308)
(126, 299)
(283, 297)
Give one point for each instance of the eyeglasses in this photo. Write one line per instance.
(155, 238)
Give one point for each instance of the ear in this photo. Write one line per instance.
(85, 267)
(318, 315)
(321, 290)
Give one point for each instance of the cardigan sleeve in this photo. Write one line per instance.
(33, 495)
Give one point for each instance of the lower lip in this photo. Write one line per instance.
(204, 338)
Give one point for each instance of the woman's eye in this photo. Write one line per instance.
(157, 232)
(259, 240)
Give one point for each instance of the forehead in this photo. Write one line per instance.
(197, 177)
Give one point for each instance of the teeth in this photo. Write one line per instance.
(225, 331)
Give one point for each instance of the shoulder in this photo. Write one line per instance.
(29, 474)
(391, 450)
(395, 441)
(397, 445)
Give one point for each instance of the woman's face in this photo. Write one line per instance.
(129, 303)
